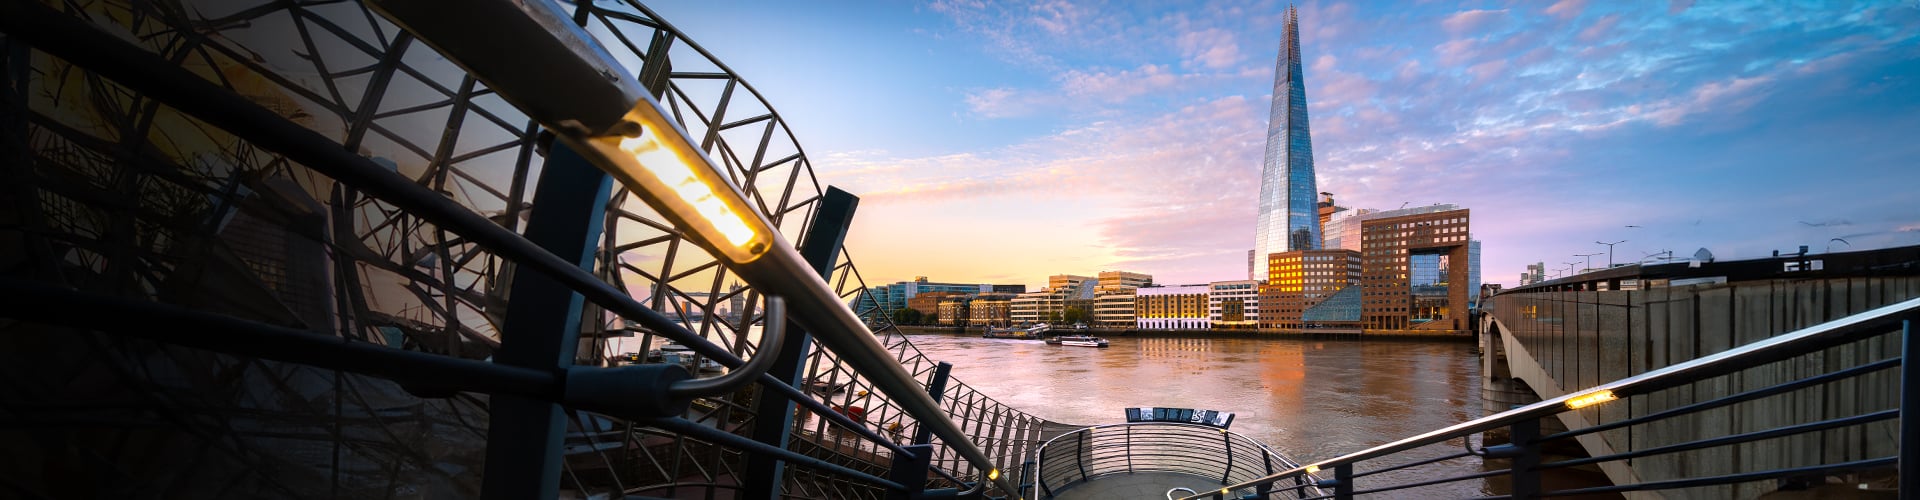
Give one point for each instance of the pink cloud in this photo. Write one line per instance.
(1567, 9)
(1212, 48)
(1115, 86)
(1472, 20)
(1454, 52)
(1599, 28)
(1004, 102)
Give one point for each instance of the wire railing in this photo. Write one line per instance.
(1091, 453)
(1529, 452)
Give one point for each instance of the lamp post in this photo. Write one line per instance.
(1589, 257)
(1570, 266)
(1610, 250)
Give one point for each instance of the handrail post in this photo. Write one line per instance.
(938, 389)
(525, 435)
(1080, 455)
(1909, 423)
(1343, 482)
(1266, 488)
(1228, 472)
(1129, 449)
(1525, 436)
(911, 471)
(1026, 473)
(774, 412)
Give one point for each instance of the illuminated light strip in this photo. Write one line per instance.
(675, 174)
(1590, 399)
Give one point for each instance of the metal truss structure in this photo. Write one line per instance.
(117, 194)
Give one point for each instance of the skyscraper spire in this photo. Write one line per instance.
(1288, 219)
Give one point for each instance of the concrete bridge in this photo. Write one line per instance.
(1564, 336)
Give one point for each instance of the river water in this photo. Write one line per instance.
(1307, 399)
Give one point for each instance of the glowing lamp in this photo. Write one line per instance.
(1590, 399)
(654, 159)
(993, 475)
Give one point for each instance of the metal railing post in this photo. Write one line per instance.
(1909, 423)
(938, 389)
(1343, 482)
(911, 470)
(774, 414)
(1080, 453)
(1228, 472)
(1266, 488)
(1129, 448)
(543, 327)
(1525, 436)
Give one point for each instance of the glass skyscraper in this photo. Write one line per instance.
(1288, 218)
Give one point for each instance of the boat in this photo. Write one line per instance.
(1078, 341)
(683, 355)
(1031, 332)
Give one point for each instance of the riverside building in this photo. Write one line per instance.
(1181, 307)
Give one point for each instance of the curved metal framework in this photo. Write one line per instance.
(115, 193)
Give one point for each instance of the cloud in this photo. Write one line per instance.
(1599, 28)
(1115, 86)
(1005, 102)
(1211, 48)
(1567, 9)
(1472, 21)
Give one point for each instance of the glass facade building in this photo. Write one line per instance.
(1289, 217)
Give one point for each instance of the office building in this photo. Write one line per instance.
(1297, 281)
(1113, 298)
(1415, 271)
(1234, 305)
(881, 301)
(990, 309)
(1288, 218)
(1182, 307)
(954, 310)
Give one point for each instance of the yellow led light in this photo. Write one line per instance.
(673, 172)
(1223, 491)
(1313, 468)
(1590, 399)
(993, 475)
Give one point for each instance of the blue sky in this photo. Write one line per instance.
(1006, 141)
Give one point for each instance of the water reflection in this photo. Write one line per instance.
(1309, 399)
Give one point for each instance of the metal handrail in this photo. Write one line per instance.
(582, 87)
(1875, 321)
(1270, 458)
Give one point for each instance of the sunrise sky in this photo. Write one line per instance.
(1006, 141)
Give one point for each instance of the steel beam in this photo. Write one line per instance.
(773, 415)
(542, 329)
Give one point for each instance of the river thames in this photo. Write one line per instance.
(1308, 399)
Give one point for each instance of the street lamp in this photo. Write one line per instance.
(1570, 266)
(1610, 250)
(1589, 257)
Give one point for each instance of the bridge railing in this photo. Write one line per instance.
(1521, 461)
(1196, 450)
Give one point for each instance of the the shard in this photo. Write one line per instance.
(1288, 217)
